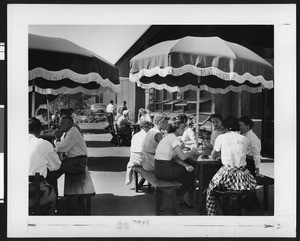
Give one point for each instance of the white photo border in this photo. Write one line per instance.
(282, 224)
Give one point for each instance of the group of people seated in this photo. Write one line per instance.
(232, 142)
(67, 154)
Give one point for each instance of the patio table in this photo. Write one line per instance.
(205, 169)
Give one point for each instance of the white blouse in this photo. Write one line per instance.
(233, 147)
(165, 149)
(150, 144)
(42, 156)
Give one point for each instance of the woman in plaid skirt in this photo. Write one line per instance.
(233, 175)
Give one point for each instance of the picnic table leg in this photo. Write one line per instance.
(136, 181)
(158, 200)
(174, 202)
(266, 197)
(81, 205)
(88, 205)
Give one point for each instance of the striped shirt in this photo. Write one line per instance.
(165, 149)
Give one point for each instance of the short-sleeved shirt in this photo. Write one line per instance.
(233, 147)
(165, 148)
(137, 141)
(150, 144)
(42, 156)
(110, 108)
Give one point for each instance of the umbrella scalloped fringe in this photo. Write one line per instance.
(202, 87)
(69, 74)
(163, 72)
(66, 90)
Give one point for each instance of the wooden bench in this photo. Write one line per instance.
(80, 186)
(159, 185)
(229, 201)
(265, 181)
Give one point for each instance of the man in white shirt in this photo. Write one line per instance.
(42, 157)
(70, 142)
(253, 153)
(110, 113)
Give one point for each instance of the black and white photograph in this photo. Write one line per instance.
(131, 124)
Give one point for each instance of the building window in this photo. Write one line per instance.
(101, 98)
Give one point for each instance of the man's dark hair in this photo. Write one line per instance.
(111, 101)
(35, 126)
(124, 102)
(68, 118)
(231, 123)
(247, 121)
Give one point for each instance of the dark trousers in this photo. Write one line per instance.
(68, 165)
(110, 119)
(173, 171)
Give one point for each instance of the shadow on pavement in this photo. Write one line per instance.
(108, 164)
(99, 144)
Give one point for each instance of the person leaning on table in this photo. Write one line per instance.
(42, 157)
(169, 160)
(70, 142)
(233, 175)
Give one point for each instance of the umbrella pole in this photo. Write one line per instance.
(48, 113)
(33, 104)
(197, 112)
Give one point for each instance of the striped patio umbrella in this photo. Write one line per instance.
(58, 66)
(201, 63)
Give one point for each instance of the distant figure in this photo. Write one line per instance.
(121, 108)
(43, 159)
(123, 123)
(136, 150)
(145, 116)
(110, 114)
(253, 157)
(189, 133)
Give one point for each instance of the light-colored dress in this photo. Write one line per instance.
(136, 151)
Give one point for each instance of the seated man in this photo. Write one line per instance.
(70, 142)
(41, 157)
(136, 149)
(123, 123)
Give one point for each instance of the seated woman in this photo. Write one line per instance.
(136, 150)
(253, 154)
(42, 117)
(233, 175)
(169, 160)
(152, 139)
(189, 133)
(216, 120)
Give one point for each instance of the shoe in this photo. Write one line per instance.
(185, 204)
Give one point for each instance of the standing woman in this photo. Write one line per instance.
(233, 175)
(169, 160)
(253, 154)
